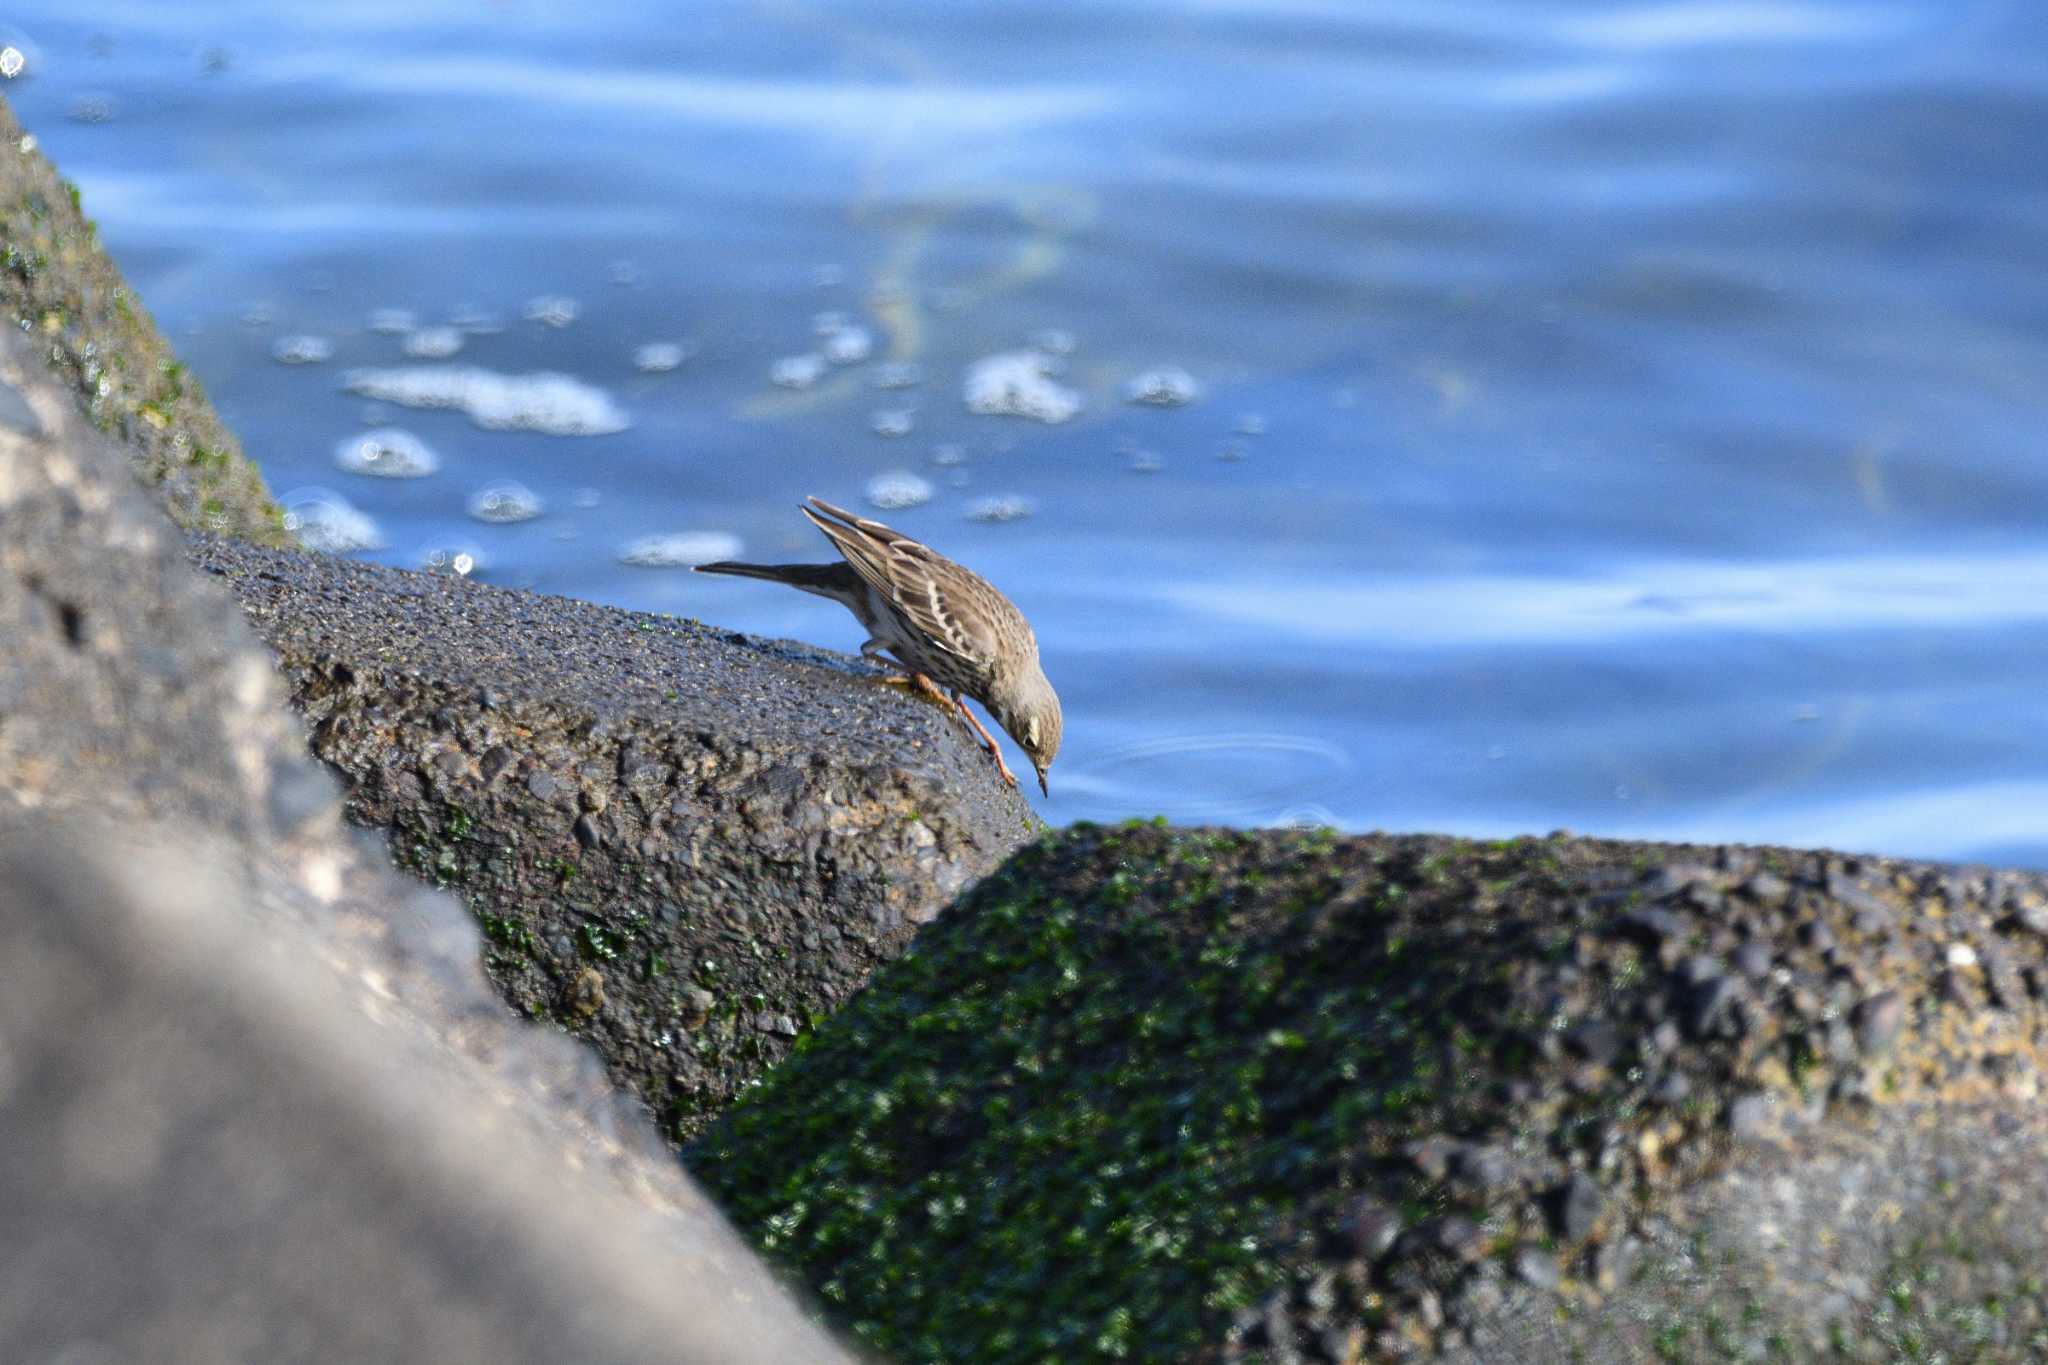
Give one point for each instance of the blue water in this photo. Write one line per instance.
(1635, 411)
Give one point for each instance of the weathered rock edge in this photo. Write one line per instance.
(58, 287)
(686, 845)
(1186, 1094)
(257, 1100)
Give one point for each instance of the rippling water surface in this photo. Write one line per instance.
(1626, 417)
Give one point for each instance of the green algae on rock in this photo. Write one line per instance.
(1162, 1095)
(58, 285)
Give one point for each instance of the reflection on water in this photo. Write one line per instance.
(1623, 416)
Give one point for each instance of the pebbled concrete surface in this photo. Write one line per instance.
(684, 844)
(258, 1101)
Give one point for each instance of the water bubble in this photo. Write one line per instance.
(898, 374)
(386, 453)
(14, 61)
(897, 489)
(1053, 341)
(258, 315)
(797, 371)
(457, 561)
(1147, 462)
(828, 276)
(844, 341)
(948, 455)
(92, 108)
(625, 274)
(893, 421)
(1018, 384)
(659, 357)
(1251, 424)
(301, 350)
(504, 502)
(552, 310)
(680, 550)
(327, 523)
(393, 322)
(1308, 815)
(434, 343)
(1166, 387)
(553, 404)
(585, 498)
(1000, 508)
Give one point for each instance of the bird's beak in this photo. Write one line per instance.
(1041, 783)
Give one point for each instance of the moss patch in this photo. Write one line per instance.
(1151, 1094)
(58, 285)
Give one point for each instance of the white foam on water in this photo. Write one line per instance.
(504, 502)
(552, 310)
(549, 403)
(386, 453)
(327, 523)
(849, 345)
(1147, 462)
(393, 322)
(301, 350)
(1169, 386)
(1018, 384)
(659, 357)
(434, 343)
(893, 421)
(898, 489)
(680, 550)
(797, 371)
(1000, 508)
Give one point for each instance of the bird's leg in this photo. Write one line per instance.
(994, 750)
(871, 650)
(920, 684)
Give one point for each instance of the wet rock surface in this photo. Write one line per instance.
(59, 290)
(1280, 1095)
(257, 1100)
(687, 845)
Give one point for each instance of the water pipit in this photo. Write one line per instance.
(948, 628)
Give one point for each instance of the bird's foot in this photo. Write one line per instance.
(921, 685)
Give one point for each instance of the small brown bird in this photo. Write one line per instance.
(946, 625)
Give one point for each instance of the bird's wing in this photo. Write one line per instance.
(935, 595)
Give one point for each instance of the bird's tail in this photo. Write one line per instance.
(827, 580)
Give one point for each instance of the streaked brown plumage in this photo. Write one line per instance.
(947, 626)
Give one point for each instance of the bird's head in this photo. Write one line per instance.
(1030, 712)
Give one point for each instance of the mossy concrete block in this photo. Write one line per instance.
(685, 844)
(1151, 1093)
(59, 287)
